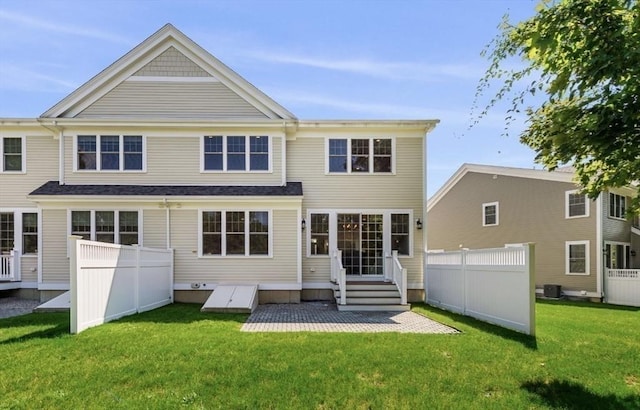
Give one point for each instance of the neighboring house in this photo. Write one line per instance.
(170, 148)
(576, 239)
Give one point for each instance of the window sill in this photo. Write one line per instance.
(13, 172)
(576, 274)
(245, 257)
(109, 171)
(361, 173)
(576, 216)
(235, 172)
(318, 256)
(489, 226)
(615, 218)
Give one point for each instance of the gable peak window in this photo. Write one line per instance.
(236, 153)
(577, 204)
(109, 153)
(490, 214)
(360, 155)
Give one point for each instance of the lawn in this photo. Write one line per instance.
(584, 356)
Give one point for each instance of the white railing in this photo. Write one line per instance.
(111, 281)
(10, 266)
(623, 287)
(399, 277)
(494, 285)
(339, 275)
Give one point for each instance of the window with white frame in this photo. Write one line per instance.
(577, 257)
(235, 233)
(617, 206)
(319, 240)
(576, 204)
(12, 158)
(121, 227)
(7, 232)
(617, 255)
(29, 233)
(490, 214)
(236, 153)
(400, 228)
(109, 153)
(360, 155)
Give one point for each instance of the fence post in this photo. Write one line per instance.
(171, 285)
(463, 264)
(137, 279)
(530, 258)
(73, 272)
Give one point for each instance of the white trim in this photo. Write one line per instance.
(371, 139)
(212, 286)
(617, 218)
(247, 155)
(484, 213)
(23, 154)
(11, 285)
(599, 245)
(298, 245)
(587, 204)
(116, 223)
(587, 255)
(317, 285)
(247, 233)
(283, 157)
(121, 161)
(54, 286)
(171, 79)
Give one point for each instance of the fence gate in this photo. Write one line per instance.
(622, 287)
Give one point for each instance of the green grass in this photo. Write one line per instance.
(584, 356)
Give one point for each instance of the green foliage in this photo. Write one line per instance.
(584, 356)
(585, 57)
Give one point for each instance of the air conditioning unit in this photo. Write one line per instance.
(553, 291)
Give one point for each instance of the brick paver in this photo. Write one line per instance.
(325, 317)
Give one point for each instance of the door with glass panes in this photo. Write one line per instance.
(361, 239)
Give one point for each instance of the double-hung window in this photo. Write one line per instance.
(400, 234)
(490, 214)
(359, 155)
(576, 205)
(29, 233)
(12, 154)
(7, 232)
(577, 257)
(121, 227)
(319, 241)
(617, 206)
(236, 153)
(235, 233)
(109, 153)
(19, 230)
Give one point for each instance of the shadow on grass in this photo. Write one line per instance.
(52, 325)
(584, 304)
(573, 396)
(455, 319)
(182, 313)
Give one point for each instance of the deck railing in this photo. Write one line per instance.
(10, 267)
(339, 275)
(399, 277)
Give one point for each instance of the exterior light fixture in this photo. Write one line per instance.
(303, 224)
(419, 224)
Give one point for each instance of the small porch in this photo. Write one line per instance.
(10, 267)
(387, 292)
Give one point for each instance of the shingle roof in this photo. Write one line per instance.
(54, 188)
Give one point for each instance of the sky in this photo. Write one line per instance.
(331, 59)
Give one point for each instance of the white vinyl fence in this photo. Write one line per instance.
(622, 287)
(493, 285)
(111, 281)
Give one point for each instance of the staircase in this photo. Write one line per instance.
(371, 296)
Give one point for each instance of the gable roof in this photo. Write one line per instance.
(199, 63)
(564, 175)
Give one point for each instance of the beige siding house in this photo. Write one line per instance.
(170, 148)
(576, 238)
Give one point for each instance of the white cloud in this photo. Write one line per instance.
(62, 28)
(380, 69)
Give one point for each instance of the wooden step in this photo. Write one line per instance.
(373, 301)
(374, 308)
(370, 293)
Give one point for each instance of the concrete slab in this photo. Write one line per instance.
(232, 299)
(60, 303)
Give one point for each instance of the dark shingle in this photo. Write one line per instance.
(54, 188)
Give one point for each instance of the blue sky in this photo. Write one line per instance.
(348, 59)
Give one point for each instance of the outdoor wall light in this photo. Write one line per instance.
(419, 224)
(303, 224)
(633, 252)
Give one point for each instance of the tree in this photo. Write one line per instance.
(585, 57)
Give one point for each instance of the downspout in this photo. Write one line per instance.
(425, 224)
(55, 128)
(168, 224)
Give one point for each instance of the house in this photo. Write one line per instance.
(170, 148)
(577, 239)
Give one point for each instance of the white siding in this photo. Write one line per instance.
(29, 269)
(155, 228)
(162, 100)
(175, 160)
(281, 268)
(55, 263)
(42, 166)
